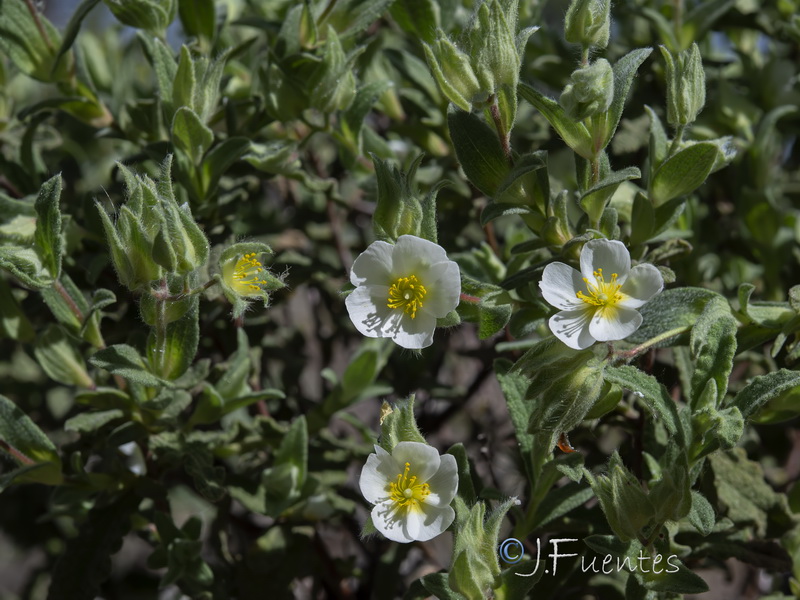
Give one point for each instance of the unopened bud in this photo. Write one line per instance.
(686, 85)
(153, 15)
(453, 72)
(590, 90)
(588, 23)
(493, 48)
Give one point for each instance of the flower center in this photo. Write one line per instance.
(246, 272)
(407, 294)
(601, 293)
(406, 492)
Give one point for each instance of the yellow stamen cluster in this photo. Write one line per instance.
(406, 492)
(246, 272)
(407, 293)
(601, 292)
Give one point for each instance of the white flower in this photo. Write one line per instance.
(412, 489)
(598, 303)
(402, 289)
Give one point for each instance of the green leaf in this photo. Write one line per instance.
(437, 584)
(466, 489)
(417, 17)
(92, 421)
(198, 17)
(642, 219)
(624, 72)
(478, 150)
(670, 314)
(655, 396)
(575, 135)
(85, 561)
(60, 359)
(164, 65)
(22, 42)
(26, 443)
(48, 237)
(291, 459)
(493, 310)
(702, 514)
(172, 354)
(713, 346)
(514, 387)
(220, 158)
(73, 27)
(351, 17)
(683, 172)
(25, 264)
(190, 134)
(357, 379)
(745, 497)
(683, 581)
(125, 361)
(13, 322)
(559, 501)
(764, 388)
(594, 200)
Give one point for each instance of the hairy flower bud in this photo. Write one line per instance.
(453, 72)
(494, 52)
(488, 61)
(686, 85)
(590, 90)
(588, 22)
(153, 15)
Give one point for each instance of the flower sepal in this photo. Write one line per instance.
(398, 424)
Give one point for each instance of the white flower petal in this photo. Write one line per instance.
(416, 333)
(412, 255)
(610, 255)
(390, 520)
(379, 470)
(428, 521)
(374, 265)
(614, 323)
(443, 285)
(444, 484)
(572, 327)
(644, 282)
(560, 283)
(368, 310)
(424, 459)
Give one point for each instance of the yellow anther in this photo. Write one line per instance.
(406, 492)
(407, 294)
(601, 293)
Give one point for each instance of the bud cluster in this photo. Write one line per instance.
(487, 60)
(153, 236)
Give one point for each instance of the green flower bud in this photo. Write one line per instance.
(493, 48)
(590, 90)
(588, 22)
(624, 502)
(686, 85)
(452, 70)
(153, 235)
(153, 15)
(399, 210)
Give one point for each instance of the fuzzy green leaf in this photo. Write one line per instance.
(478, 150)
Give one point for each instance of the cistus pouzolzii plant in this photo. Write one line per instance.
(399, 299)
